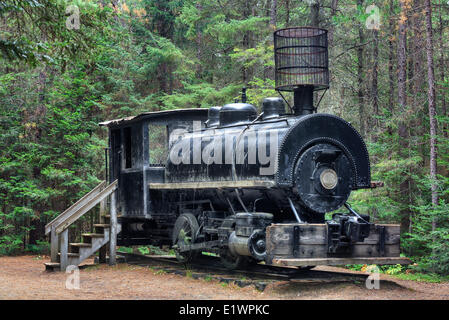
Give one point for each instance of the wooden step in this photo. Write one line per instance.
(102, 225)
(71, 254)
(52, 266)
(76, 247)
(88, 237)
(93, 235)
(119, 215)
(99, 227)
(81, 245)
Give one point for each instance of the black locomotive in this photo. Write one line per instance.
(251, 186)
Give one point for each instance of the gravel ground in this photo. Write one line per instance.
(25, 277)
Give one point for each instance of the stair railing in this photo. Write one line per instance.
(58, 228)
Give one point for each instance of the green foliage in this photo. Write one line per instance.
(356, 267)
(125, 249)
(39, 247)
(144, 250)
(36, 32)
(208, 278)
(401, 272)
(394, 269)
(426, 277)
(432, 243)
(11, 244)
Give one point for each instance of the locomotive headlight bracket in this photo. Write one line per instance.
(325, 173)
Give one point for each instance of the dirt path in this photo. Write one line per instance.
(24, 278)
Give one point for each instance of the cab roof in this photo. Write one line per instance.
(165, 115)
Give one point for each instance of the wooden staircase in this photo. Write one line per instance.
(63, 253)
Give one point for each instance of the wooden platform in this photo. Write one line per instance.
(339, 261)
(313, 243)
(309, 247)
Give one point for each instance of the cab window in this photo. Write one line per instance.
(158, 144)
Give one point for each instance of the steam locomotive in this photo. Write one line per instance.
(251, 187)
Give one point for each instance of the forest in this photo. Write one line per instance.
(65, 66)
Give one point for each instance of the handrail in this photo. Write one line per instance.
(84, 207)
(75, 207)
(56, 222)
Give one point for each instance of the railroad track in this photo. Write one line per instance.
(209, 268)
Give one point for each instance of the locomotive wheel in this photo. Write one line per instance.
(185, 232)
(232, 262)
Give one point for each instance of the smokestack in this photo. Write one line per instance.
(301, 64)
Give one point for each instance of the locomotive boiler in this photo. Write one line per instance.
(251, 186)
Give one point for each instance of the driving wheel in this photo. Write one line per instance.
(184, 233)
(232, 262)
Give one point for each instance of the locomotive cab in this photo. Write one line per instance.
(138, 151)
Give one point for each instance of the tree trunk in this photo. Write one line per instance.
(442, 66)
(334, 4)
(402, 60)
(246, 40)
(402, 101)
(432, 109)
(374, 88)
(390, 60)
(417, 53)
(199, 38)
(273, 14)
(315, 22)
(410, 57)
(331, 46)
(315, 13)
(360, 84)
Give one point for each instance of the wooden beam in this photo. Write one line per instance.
(54, 245)
(64, 245)
(102, 211)
(113, 231)
(338, 261)
(213, 184)
(201, 245)
(102, 254)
